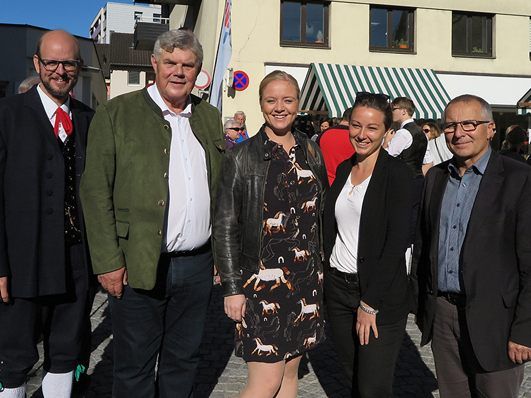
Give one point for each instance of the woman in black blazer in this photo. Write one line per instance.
(366, 223)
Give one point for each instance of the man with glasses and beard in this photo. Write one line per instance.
(473, 260)
(44, 277)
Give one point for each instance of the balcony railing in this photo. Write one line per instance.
(157, 20)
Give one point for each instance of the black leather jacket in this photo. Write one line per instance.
(238, 217)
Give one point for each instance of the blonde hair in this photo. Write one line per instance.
(278, 75)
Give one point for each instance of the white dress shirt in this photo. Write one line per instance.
(401, 140)
(50, 108)
(188, 212)
(348, 214)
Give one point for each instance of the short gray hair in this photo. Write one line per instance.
(229, 123)
(240, 113)
(182, 39)
(486, 109)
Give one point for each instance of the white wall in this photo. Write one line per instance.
(119, 83)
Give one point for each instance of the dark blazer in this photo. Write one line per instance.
(383, 234)
(32, 184)
(495, 260)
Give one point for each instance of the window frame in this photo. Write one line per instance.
(129, 74)
(469, 53)
(326, 26)
(409, 50)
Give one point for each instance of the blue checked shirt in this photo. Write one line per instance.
(456, 208)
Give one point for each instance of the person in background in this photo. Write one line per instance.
(153, 162)
(336, 146)
(408, 143)
(516, 143)
(28, 83)
(44, 267)
(241, 118)
(233, 130)
(366, 219)
(268, 243)
(436, 143)
(325, 125)
(472, 260)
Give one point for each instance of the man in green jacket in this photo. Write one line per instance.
(153, 160)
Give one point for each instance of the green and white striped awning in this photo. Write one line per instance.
(333, 88)
(524, 104)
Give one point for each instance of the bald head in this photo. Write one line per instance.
(58, 63)
(57, 38)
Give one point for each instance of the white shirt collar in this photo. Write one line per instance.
(154, 93)
(406, 122)
(50, 107)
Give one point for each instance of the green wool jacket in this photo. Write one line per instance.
(124, 189)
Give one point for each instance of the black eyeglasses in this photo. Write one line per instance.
(362, 95)
(51, 65)
(237, 128)
(467, 125)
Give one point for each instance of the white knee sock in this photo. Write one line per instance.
(57, 385)
(18, 392)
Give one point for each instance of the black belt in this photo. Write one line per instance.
(349, 277)
(453, 298)
(187, 253)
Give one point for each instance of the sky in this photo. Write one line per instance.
(73, 16)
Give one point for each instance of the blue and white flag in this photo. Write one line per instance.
(223, 56)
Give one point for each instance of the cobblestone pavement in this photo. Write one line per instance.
(222, 375)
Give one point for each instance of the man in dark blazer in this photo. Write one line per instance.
(473, 260)
(44, 277)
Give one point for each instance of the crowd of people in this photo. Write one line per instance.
(375, 218)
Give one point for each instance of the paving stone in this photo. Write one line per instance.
(222, 375)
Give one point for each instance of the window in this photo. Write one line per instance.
(138, 15)
(133, 77)
(471, 35)
(156, 18)
(392, 29)
(304, 23)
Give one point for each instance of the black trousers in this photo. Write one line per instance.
(61, 319)
(166, 322)
(459, 374)
(371, 367)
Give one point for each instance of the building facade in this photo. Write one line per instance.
(120, 17)
(477, 47)
(18, 44)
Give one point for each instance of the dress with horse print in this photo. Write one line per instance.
(284, 310)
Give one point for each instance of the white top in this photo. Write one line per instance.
(401, 140)
(439, 149)
(428, 158)
(188, 212)
(50, 108)
(348, 213)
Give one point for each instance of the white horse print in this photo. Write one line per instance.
(269, 308)
(309, 311)
(309, 206)
(264, 349)
(275, 224)
(269, 275)
(310, 341)
(300, 255)
(302, 174)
